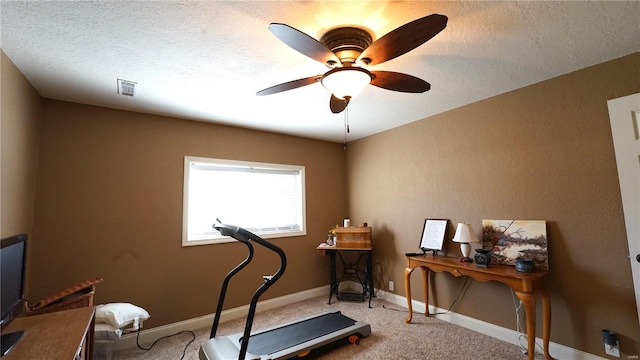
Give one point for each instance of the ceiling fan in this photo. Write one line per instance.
(347, 51)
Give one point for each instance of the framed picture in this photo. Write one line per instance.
(512, 239)
(433, 234)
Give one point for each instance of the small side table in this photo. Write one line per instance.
(350, 270)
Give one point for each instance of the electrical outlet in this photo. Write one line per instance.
(613, 350)
(390, 285)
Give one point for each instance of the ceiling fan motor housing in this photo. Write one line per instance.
(347, 43)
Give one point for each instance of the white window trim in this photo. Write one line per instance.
(188, 160)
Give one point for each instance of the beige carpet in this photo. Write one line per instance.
(391, 338)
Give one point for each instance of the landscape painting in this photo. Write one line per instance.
(512, 239)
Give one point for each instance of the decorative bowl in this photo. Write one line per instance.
(525, 265)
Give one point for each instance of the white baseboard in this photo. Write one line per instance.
(148, 336)
(557, 351)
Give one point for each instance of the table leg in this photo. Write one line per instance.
(332, 285)
(370, 274)
(546, 321)
(407, 292)
(425, 288)
(529, 302)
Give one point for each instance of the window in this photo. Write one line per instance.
(266, 199)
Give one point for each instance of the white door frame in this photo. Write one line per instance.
(624, 115)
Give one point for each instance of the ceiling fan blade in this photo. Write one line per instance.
(396, 81)
(404, 39)
(289, 85)
(303, 43)
(337, 105)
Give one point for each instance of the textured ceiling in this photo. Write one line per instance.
(205, 60)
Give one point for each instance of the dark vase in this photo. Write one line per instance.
(525, 265)
(483, 258)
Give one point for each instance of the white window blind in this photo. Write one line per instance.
(266, 199)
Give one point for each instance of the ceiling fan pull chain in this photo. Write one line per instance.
(346, 126)
(346, 115)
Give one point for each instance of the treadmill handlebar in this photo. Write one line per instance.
(246, 237)
(233, 231)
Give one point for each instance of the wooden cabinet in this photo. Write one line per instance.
(60, 335)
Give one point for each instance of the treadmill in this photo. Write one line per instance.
(283, 341)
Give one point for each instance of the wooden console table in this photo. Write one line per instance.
(59, 335)
(525, 285)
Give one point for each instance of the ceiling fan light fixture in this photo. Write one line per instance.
(346, 81)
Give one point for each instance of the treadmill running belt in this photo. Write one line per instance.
(294, 334)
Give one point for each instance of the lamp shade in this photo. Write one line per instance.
(465, 234)
(346, 81)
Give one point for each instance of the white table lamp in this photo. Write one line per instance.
(465, 235)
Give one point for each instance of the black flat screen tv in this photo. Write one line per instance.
(13, 251)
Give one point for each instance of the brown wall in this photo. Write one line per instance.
(20, 121)
(543, 152)
(109, 204)
(20, 116)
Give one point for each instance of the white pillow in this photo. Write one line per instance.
(121, 315)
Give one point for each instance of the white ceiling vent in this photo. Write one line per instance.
(126, 87)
